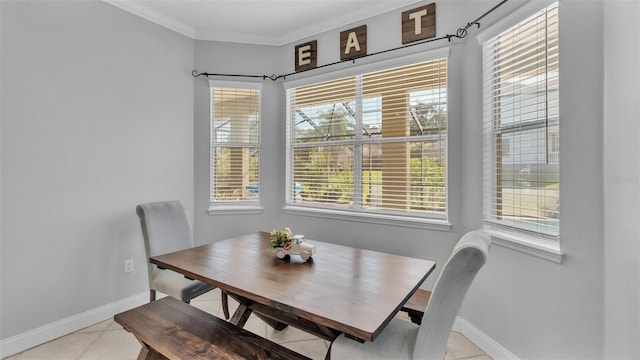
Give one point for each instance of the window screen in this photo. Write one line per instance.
(375, 142)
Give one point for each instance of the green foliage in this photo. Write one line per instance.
(226, 175)
(280, 238)
(427, 184)
(322, 183)
(324, 179)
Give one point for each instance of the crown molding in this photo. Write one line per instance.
(154, 17)
(196, 33)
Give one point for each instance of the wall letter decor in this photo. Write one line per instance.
(306, 56)
(353, 43)
(419, 23)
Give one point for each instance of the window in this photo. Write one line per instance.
(374, 143)
(235, 145)
(521, 127)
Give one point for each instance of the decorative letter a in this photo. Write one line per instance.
(352, 41)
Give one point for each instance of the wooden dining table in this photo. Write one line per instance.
(341, 289)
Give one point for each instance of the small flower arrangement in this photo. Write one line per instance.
(281, 238)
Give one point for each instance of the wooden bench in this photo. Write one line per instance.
(171, 329)
(416, 305)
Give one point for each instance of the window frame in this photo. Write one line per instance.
(538, 244)
(405, 219)
(232, 207)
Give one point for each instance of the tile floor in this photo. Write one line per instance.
(109, 341)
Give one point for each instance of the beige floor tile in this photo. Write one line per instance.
(114, 326)
(117, 344)
(233, 305)
(288, 334)
(449, 356)
(481, 357)
(69, 347)
(461, 348)
(210, 306)
(256, 326)
(315, 349)
(99, 327)
(210, 295)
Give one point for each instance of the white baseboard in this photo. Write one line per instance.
(484, 342)
(43, 334)
(54, 330)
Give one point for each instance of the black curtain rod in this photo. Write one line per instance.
(460, 34)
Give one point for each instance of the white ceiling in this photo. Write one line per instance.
(267, 22)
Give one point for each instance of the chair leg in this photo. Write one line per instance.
(328, 355)
(152, 295)
(416, 317)
(225, 304)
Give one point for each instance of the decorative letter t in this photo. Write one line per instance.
(417, 18)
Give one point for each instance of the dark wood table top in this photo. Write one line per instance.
(350, 290)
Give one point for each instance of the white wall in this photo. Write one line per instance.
(97, 116)
(621, 179)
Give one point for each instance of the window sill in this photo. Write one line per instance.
(393, 220)
(547, 250)
(235, 210)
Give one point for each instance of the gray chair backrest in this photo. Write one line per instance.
(165, 228)
(466, 259)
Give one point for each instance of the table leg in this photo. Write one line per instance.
(148, 353)
(354, 338)
(271, 322)
(241, 315)
(278, 319)
(245, 309)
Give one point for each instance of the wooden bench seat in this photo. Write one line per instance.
(171, 329)
(416, 305)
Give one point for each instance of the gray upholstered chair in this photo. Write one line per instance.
(166, 229)
(402, 339)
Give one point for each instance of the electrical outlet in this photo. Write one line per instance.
(128, 266)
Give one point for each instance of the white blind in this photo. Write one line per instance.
(521, 125)
(373, 142)
(235, 144)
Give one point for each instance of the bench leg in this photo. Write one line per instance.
(148, 353)
(152, 295)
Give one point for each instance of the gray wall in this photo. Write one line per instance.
(533, 307)
(97, 116)
(229, 58)
(622, 180)
(245, 59)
